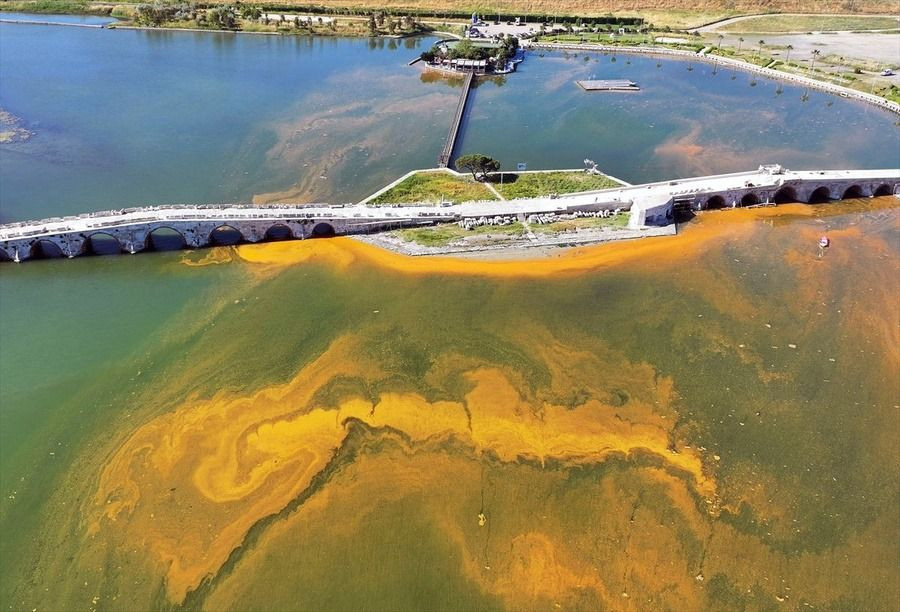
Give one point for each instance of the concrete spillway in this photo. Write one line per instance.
(447, 151)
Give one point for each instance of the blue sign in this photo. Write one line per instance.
(521, 166)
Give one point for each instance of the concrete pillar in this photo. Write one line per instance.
(252, 232)
(132, 242)
(70, 246)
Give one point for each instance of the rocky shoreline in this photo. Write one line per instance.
(515, 247)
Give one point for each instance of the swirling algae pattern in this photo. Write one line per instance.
(232, 461)
(192, 483)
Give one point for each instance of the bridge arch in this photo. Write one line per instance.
(101, 243)
(226, 235)
(4, 255)
(165, 239)
(819, 195)
(323, 229)
(279, 231)
(784, 195)
(853, 191)
(883, 190)
(714, 202)
(45, 249)
(749, 199)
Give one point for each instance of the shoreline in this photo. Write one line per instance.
(528, 44)
(831, 88)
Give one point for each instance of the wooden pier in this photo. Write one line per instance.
(609, 85)
(447, 151)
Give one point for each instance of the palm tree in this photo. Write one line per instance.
(719, 44)
(815, 54)
(759, 50)
(740, 42)
(787, 58)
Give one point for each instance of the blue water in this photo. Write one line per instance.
(688, 119)
(129, 117)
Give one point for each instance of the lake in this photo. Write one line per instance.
(703, 421)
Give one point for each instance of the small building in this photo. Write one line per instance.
(467, 65)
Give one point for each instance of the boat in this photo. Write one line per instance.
(824, 242)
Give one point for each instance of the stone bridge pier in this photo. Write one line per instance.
(134, 237)
(811, 192)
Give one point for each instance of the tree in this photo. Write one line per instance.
(759, 50)
(719, 44)
(221, 18)
(787, 58)
(154, 14)
(740, 42)
(476, 163)
(815, 54)
(372, 24)
(430, 55)
(251, 11)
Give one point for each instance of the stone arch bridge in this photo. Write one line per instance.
(657, 203)
(132, 230)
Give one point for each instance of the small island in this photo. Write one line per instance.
(499, 55)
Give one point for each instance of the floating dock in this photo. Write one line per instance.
(609, 85)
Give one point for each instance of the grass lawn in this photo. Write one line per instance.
(442, 235)
(71, 7)
(545, 183)
(811, 23)
(616, 222)
(431, 187)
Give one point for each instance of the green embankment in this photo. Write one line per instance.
(433, 187)
(569, 225)
(67, 7)
(442, 235)
(530, 185)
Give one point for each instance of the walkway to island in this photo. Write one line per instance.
(651, 204)
(450, 143)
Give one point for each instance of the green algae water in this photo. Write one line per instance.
(719, 405)
(701, 422)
